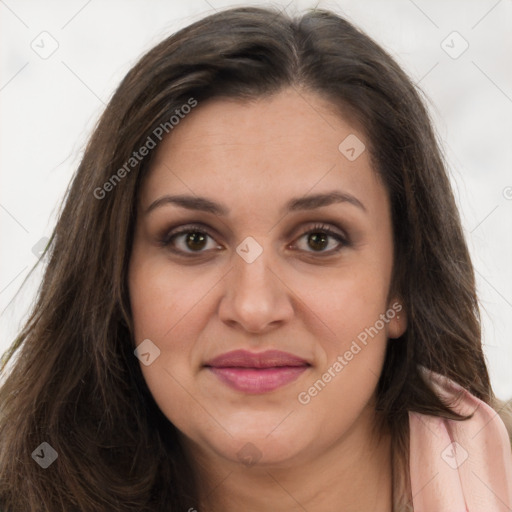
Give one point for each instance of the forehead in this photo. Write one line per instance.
(288, 143)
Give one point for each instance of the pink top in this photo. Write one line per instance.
(460, 466)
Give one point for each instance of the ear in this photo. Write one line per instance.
(397, 316)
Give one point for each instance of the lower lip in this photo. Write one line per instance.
(258, 380)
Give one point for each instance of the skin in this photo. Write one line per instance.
(252, 157)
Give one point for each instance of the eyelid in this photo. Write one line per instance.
(186, 228)
(320, 226)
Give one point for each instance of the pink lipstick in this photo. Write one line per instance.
(260, 372)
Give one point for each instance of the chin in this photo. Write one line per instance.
(260, 453)
(264, 448)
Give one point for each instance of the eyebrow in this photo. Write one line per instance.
(309, 202)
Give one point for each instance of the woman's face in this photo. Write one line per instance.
(254, 178)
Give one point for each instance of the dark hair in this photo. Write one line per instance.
(77, 384)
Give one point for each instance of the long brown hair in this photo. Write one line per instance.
(76, 383)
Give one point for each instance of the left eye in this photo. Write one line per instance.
(190, 240)
(318, 237)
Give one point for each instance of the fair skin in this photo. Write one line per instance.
(297, 296)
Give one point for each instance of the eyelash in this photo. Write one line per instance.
(167, 240)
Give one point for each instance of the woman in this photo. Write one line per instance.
(258, 294)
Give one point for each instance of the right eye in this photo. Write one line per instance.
(188, 240)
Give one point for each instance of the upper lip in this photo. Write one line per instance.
(246, 359)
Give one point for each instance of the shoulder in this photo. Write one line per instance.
(450, 459)
(504, 410)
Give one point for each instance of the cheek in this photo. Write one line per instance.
(349, 300)
(358, 334)
(161, 298)
(352, 358)
(169, 308)
(352, 336)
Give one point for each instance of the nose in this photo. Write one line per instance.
(256, 299)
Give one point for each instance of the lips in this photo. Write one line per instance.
(246, 359)
(255, 373)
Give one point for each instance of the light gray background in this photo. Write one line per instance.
(50, 105)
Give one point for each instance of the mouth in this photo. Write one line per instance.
(256, 373)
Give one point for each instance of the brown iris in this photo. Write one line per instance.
(195, 240)
(318, 240)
